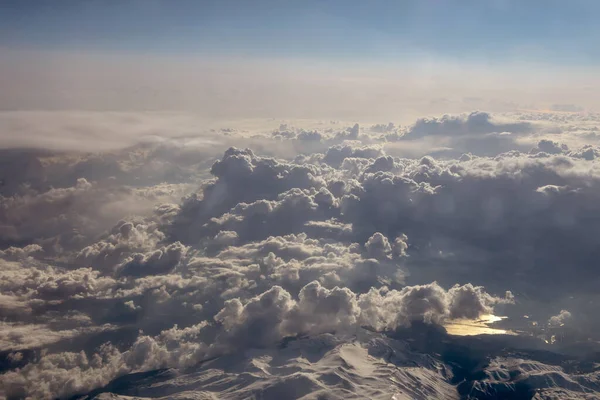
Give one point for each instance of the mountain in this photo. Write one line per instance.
(418, 363)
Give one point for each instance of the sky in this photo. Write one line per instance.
(550, 30)
(316, 59)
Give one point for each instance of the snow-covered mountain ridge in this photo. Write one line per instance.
(420, 363)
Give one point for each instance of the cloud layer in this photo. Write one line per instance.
(166, 253)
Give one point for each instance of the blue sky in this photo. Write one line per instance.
(494, 30)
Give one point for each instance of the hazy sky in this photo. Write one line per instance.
(309, 59)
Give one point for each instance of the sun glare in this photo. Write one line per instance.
(472, 327)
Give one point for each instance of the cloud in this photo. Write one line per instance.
(322, 310)
(468, 301)
(246, 183)
(122, 267)
(587, 152)
(258, 322)
(17, 336)
(378, 246)
(123, 239)
(388, 310)
(70, 217)
(65, 374)
(383, 128)
(337, 154)
(559, 320)
(275, 314)
(159, 261)
(476, 123)
(16, 253)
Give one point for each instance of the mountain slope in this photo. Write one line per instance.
(370, 366)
